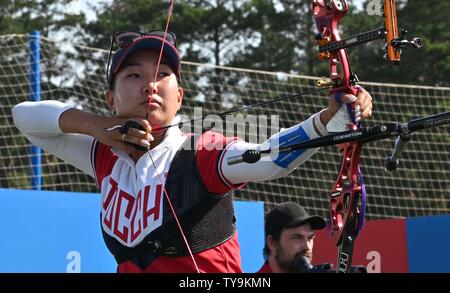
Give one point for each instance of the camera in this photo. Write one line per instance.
(303, 265)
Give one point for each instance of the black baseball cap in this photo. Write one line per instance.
(149, 42)
(289, 215)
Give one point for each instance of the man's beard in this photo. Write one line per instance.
(288, 264)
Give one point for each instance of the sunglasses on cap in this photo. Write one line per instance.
(124, 39)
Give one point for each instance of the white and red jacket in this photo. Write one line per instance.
(133, 201)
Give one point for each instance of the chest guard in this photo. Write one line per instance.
(207, 219)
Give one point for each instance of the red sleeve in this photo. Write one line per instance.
(209, 148)
(102, 159)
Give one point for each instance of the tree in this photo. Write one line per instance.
(22, 17)
(275, 35)
(429, 20)
(429, 65)
(46, 16)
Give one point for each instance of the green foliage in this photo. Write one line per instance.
(429, 65)
(259, 34)
(46, 16)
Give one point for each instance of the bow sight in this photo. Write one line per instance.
(336, 9)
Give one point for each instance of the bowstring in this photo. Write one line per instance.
(153, 89)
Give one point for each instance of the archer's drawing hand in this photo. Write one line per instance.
(119, 134)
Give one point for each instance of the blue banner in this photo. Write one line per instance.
(46, 231)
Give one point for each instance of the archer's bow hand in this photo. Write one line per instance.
(341, 113)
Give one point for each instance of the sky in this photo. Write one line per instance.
(358, 3)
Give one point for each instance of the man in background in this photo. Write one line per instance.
(289, 232)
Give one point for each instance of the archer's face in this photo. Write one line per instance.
(133, 86)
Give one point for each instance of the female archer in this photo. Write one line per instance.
(166, 206)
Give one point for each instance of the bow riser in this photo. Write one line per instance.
(347, 191)
(327, 15)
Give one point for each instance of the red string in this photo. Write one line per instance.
(154, 165)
